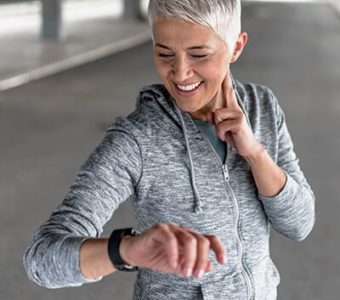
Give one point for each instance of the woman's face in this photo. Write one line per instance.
(192, 62)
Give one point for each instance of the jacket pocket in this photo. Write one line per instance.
(161, 286)
(266, 279)
(225, 287)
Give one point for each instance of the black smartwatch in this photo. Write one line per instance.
(113, 249)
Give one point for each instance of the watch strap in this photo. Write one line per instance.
(113, 249)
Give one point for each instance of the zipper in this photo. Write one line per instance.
(237, 213)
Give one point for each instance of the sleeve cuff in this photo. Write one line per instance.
(74, 244)
(280, 200)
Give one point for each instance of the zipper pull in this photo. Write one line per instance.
(225, 172)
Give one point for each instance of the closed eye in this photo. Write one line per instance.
(199, 56)
(165, 55)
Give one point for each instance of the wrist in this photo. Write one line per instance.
(257, 155)
(269, 177)
(115, 249)
(93, 259)
(124, 248)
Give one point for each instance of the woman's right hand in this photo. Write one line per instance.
(173, 249)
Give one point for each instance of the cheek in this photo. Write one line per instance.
(161, 68)
(214, 71)
(215, 77)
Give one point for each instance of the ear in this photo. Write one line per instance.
(239, 45)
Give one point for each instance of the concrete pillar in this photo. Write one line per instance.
(51, 19)
(131, 9)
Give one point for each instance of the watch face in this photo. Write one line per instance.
(127, 268)
(134, 232)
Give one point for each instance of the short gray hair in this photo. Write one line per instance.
(222, 16)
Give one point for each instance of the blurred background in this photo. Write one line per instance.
(69, 68)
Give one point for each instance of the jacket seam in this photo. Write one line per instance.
(140, 152)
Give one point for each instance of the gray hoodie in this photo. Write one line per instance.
(158, 157)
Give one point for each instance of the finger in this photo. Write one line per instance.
(203, 247)
(227, 126)
(217, 246)
(168, 238)
(188, 244)
(228, 92)
(180, 266)
(222, 114)
(209, 267)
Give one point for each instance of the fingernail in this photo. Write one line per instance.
(189, 272)
(200, 274)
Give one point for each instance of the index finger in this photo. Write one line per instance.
(217, 246)
(228, 92)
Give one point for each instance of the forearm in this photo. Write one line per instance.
(289, 204)
(94, 259)
(269, 177)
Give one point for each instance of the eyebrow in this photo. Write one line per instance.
(190, 48)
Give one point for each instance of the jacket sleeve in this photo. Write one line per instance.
(107, 178)
(292, 211)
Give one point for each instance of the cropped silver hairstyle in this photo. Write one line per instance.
(222, 16)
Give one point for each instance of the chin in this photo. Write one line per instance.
(189, 104)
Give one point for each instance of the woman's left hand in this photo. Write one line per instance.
(232, 127)
(231, 123)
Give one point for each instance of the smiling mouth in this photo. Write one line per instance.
(190, 87)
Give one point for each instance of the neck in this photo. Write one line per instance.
(202, 113)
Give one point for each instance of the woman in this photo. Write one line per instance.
(209, 163)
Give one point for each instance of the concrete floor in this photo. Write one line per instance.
(49, 127)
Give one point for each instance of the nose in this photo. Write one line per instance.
(181, 69)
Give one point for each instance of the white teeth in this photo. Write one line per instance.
(188, 88)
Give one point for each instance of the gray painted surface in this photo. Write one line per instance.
(131, 9)
(51, 14)
(48, 128)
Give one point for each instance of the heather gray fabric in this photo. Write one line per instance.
(146, 156)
